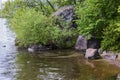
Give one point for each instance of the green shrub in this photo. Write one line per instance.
(29, 26)
(111, 38)
(100, 19)
(94, 16)
(10, 8)
(32, 27)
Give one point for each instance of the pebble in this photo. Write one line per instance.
(118, 76)
(4, 45)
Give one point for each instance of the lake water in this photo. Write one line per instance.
(48, 65)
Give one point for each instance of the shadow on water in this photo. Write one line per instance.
(48, 65)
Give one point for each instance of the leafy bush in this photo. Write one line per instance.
(33, 27)
(94, 16)
(111, 38)
(29, 25)
(10, 8)
(100, 19)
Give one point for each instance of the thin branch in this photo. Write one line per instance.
(50, 5)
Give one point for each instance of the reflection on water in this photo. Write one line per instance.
(7, 52)
(21, 65)
(33, 67)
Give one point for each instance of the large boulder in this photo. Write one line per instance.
(93, 43)
(92, 54)
(65, 14)
(81, 43)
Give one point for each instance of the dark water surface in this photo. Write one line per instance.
(21, 65)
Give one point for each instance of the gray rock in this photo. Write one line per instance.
(36, 48)
(93, 43)
(104, 53)
(81, 43)
(100, 51)
(92, 54)
(31, 50)
(65, 14)
(110, 56)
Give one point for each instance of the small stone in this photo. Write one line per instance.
(118, 76)
(28, 62)
(104, 53)
(30, 50)
(4, 46)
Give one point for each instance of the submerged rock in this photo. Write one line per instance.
(36, 48)
(109, 55)
(4, 45)
(118, 76)
(31, 50)
(92, 54)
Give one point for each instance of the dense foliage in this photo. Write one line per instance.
(111, 36)
(94, 16)
(34, 25)
(99, 19)
(32, 22)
